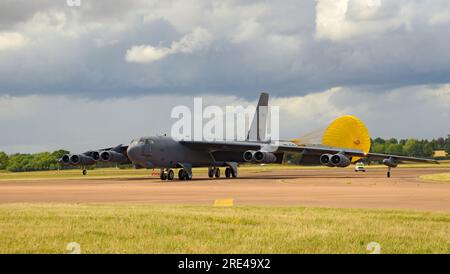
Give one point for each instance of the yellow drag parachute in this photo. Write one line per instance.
(344, 132)
(347, 132)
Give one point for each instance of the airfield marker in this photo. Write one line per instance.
(223, 202)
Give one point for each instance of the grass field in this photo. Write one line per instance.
(440, 177)
(105, 173)
(142, 228)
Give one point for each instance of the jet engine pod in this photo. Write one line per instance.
(112, 156)
(80, 159)
(340, 160)
(248, 155)
(390, 162)
(325, 159)
(95, 155)
(264, 157)
(65, 160)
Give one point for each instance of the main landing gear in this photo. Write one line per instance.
(215, 172)
(184, 175)
(389, 172)
(169, 174)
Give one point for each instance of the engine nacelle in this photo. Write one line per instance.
(113, 156)
(81, 159)
(264, 157)
(248, 155)
(325, 159)
(340, 160)
(95, 155)
(65, 160)
(390, 162)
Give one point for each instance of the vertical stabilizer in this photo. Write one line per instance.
(257, 129)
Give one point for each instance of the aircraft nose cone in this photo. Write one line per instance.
(133, 152)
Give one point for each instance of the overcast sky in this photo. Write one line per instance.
(107, 71)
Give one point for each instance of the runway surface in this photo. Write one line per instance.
(302, 187)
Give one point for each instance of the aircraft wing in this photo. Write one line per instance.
(357, 153)
(291, 147)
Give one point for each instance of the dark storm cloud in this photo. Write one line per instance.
(248, 46)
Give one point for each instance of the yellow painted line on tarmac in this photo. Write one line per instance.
(224, 202)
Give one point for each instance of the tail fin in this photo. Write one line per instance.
(257, 129)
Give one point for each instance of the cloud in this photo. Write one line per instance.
(212, 47)
(12, 40)
(146, 54)
(194, 41)
(340, 20)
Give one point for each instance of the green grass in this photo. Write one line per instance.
(143, 228)
(440, 177)
(105, 173)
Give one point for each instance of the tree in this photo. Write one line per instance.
(440, 143)
(392, 141)
(57, 154)
(412, 147)
(447, 144)
(395, 149)
(378, 148)
(379, 141)
(3, 160)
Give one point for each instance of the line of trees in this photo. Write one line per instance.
(410, 147)
(31, 162)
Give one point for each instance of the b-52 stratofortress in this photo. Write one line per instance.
(166, 153)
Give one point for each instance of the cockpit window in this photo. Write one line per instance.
(146, 141)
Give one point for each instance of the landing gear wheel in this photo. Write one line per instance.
(181, 174)
(228, 172)
(170, 175)
(84, 172)
(233, 173)
(217, 172)
(389, 174)
(184, 175)
(163, 176)
(210, 172)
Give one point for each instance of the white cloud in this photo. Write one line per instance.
(12, 40)
(146, 54)
(194, 41)
(339, 20)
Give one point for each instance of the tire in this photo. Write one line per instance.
(233, 173)
(217, 173)
(181, 174)
(210, 172)
(170, 175)
(163, 176)
(228, 172)
(84, 172)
